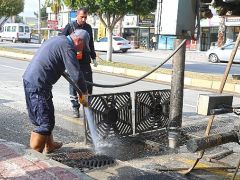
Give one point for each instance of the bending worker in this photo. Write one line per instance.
(84, 57)
(53, 57)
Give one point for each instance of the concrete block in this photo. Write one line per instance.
(201, 83)
(119, 70)
(152, 76)
(216, 85)
(206, 102)
(187, 81)
(237, 88)
(108, 69)
(229, 87)
(134, 73)
(164, 77)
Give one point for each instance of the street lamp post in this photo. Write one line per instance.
(39, 21)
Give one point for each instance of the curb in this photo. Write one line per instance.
(29, 159)
(192, 79)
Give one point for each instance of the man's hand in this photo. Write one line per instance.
(83, 99)
(95, 64)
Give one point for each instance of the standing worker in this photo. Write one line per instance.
(84, 57)
(54, 57)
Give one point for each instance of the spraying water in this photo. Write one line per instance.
(91, 125)
(97, 141)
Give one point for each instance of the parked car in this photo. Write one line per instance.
(223, 53)
(118, 43)
(34, 38)
(15, 32)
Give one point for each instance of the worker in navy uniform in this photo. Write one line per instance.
(53, 57)
(83, 57)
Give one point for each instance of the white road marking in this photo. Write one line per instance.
(11, 67)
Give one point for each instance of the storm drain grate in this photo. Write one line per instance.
(161, 137)
(83, 159)
(112, 115)
(151, 110)
(219, 126)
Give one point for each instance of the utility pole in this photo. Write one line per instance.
(158, 17)
(176, 98)
(177, 19)
(39, 21)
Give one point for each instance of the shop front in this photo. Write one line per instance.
(139, 30)
(232, 28)
(210, 28)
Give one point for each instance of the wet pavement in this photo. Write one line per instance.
(150, 160)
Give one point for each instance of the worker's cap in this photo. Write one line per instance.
(84, 35)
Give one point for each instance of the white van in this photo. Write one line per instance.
(15, 32)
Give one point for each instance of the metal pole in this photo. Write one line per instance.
(39, 21)
(176, 98)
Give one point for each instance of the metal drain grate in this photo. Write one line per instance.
(161, 138)
(151, 110)
(219, 126)
(83, 159)
(112, 114)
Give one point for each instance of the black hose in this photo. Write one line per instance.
(66, 76)
(140, 78)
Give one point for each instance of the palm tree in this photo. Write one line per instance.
(56, 6)
(221, 31)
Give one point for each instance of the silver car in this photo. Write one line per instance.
(223, 53)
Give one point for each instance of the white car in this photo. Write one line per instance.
(118, 43)
(223, 53)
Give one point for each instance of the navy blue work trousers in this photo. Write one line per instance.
(40, 108)
(87, 73)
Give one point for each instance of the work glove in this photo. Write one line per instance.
(83, 99)
(95, 64)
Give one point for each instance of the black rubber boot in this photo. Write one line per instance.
(76, 113)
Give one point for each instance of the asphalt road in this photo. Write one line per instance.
(14, 123)
(147, 58)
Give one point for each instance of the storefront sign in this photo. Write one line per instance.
(52, 24)
(232, 21)
(73, 15)
(130, 21)
(146, 21)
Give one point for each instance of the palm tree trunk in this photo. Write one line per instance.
(221, 32)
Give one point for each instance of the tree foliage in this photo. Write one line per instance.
(227, 8)
(223, 7)
(56, 5)
(11, 7)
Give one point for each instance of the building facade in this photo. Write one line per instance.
(139, 30)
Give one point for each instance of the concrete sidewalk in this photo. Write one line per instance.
(18, 162)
